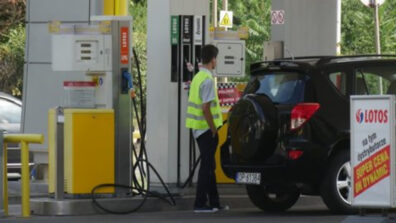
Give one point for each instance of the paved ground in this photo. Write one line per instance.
(300, 213)
(307, 210)
(238, 216)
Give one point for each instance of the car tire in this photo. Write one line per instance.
(336, 188)
(272, 202)
(253, 129)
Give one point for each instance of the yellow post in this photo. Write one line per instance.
(115, 7)
(122, 7)
(25, 180)
(29, 138)
(108, 7)
(23, 139)
(5, 180)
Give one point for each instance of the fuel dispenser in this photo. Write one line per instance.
(187, 38)
(95, 140)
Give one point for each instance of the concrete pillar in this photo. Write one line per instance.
(310, 27)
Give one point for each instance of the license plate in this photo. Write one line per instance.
(248, 178)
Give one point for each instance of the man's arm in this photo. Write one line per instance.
(209, 118)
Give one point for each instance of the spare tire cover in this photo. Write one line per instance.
(253, 125)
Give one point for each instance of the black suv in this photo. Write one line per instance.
(290, 132)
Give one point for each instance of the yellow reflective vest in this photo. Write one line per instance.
(195, 117)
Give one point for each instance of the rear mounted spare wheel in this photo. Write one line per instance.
(253, 128)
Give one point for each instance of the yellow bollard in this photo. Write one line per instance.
(29, 138)
(25, 180)
(23, 139)
(5, 180)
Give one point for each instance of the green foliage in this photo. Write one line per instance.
(254, 14)
(358, 31)
(12, 45)
(12, 61)
(358, 35)
(12, 13)
(138, 10)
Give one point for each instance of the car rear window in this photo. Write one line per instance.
(375, 80)
(283, 88)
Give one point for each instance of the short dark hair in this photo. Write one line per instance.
(208, 53)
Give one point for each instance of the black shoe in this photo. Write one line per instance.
(205, 209)
(222, 208)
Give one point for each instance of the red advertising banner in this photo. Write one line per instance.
(229, 93)
(124, 45)
(372, 171)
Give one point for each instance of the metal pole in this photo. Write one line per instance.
(59, 155)
(5, 182)
(3, 176)
(225, 8)
(377, 38)
(339, 11)
(215, 13)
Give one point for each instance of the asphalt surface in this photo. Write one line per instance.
(304, 214)
(306, 210)
(239, 216)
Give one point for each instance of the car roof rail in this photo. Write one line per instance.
(318, 60)
(329, 59)
(304, 58)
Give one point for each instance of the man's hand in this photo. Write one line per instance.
(209, 118)
(214, 132)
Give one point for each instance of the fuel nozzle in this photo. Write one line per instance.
(127, 84)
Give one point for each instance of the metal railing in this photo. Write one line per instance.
(24, 140)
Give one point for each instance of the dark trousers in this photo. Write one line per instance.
(206, 187)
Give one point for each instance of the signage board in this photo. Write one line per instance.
(226, 19)
(373, 151)
(124, 45)
(175, 27)
(278, 17)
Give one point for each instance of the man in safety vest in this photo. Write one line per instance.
(204, 117)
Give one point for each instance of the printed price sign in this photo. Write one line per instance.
(372, 150)
(229, 93)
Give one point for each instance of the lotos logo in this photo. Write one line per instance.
(372, 116)
(359, 116)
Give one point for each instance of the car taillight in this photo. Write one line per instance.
(295, 154)
(301, 113)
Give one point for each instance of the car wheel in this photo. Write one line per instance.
(336, 188)
(270, 201)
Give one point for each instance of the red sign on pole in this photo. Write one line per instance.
(124, 45)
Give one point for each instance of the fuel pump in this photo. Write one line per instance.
(101, 50)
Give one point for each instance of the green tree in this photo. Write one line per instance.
(254, 14)
(138, 10)
(358, 28)
(12, 45)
